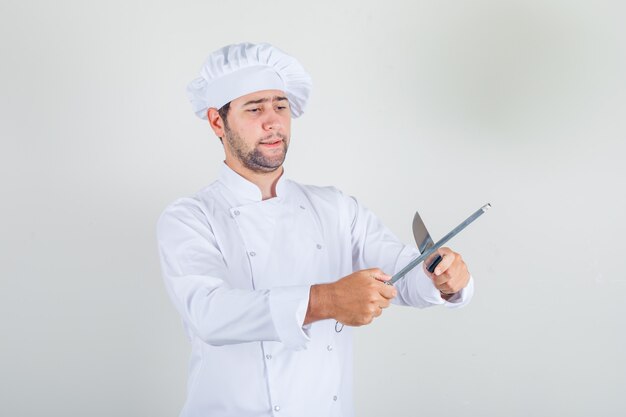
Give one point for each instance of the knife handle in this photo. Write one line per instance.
(436, 262)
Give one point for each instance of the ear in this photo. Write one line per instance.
(216, 122)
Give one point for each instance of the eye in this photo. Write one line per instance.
(254, 110)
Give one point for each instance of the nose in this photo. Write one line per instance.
(272, 122)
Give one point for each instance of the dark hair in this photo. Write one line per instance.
(223, 112)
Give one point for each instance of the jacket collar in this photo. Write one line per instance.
(245, 189)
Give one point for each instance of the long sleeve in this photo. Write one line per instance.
(198, 281)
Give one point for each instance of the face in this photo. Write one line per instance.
(256, 131)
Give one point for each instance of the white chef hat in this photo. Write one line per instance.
(240, 69)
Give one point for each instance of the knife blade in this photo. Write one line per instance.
(423, 240)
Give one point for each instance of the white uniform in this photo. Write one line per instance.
(239, 270)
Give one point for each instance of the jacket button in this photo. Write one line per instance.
(236, 213)
(319, 246)
(276, 408)
(329, 347)
(252, 253)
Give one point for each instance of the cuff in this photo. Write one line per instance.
(288, 307)
(462, 297)
(430, 293)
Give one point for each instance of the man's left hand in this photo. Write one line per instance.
(451, 275)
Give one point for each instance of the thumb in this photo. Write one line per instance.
(381, 276)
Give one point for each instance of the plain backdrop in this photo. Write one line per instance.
(440, 106)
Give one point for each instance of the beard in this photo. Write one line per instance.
(254, 159)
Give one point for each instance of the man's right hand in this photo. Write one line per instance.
(354, 300)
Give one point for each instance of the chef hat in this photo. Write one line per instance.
(240, 69)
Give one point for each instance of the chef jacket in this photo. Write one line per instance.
(239, 269)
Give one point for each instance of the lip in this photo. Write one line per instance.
(272, 144)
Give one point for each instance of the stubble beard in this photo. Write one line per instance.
(254, 159)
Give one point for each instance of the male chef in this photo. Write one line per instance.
(265, 271)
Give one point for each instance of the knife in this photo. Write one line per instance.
(423, 240)
(400, 274)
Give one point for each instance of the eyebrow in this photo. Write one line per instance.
(265, 100)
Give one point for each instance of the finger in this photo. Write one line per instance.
(454, 278)
(388, 291)
(458, 278)
(458, 281)
(447, 260)
(434, 255)
(441, 280)
(380, 275)
(384, 303)
(447, 288)
(457, 272)
(432, 265)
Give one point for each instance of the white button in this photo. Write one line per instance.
(319, 246)
(252, 253)
(334, 398)
(236, 212)
(276, 408)
(329, 347)
(268, 356)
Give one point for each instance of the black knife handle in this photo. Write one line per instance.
(432, 266)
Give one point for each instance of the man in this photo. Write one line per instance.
(261, 268)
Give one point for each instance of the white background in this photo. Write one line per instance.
(439, 106)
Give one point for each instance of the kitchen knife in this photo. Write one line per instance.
(440, 243)
(423, 240)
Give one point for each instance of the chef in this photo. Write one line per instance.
(262, 268)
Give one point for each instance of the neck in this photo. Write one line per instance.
(266, 181)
